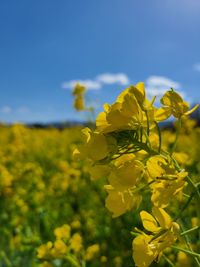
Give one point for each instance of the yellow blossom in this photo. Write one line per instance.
(183, 260)
(175, 103)
(125, 113)
(44, 250)
(59, 249)
(164, 232)
(79, 89)
(62, 232)
(91, 252)
(76, 242)
(120, 202)
(95, 147)
(126, 174)
(165, 180)
(79, 103)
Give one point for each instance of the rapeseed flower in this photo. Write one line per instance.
(63, 232)
(92, 252)
(176, 105)
(119, 202)
(165, 180)
(163, 233)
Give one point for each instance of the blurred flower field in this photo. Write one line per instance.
(43, 188)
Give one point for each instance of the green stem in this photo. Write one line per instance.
(160, 137)
(189, 180)
(190, 230)
(192, 253)
(72, 261)
(141, 134)
(184, 207)
(134, 234)
(144, 186)
(187, 242)
(140, 145)
(5, 259)
(168, 260)
(148, 130)
(197, 195)
(177, 136)
(193, 186)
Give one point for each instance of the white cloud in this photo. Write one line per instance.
(6, 110)
(100, 80)
(155, 85)
(197, 67)
(89, 84)
(109, 78)
(161, 81)
(158, 85)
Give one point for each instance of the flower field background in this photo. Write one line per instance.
(42, 188)
(52, 214)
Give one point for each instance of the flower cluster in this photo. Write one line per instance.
(126, 148)
(67, 247)
(78, 92)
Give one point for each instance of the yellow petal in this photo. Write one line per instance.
(149, 222)
(99, 171)
(162, 217)
(162, 114)
(154, 166)
(142, 254)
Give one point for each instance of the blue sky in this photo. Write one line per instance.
(46, 45)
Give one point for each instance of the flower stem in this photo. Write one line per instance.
(160, 137)
(177, 136)
(184, 207)
(192, 253)
(168, 260)
(72, 261)
(190, 230)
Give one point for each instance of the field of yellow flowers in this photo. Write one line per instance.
(55, 184)
(43, 189)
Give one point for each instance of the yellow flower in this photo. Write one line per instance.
(126, 174)
(98, 171)
(103, 259)
(181, 157)
(62, 232)
(59, 249)
(166, 180)
(164, 232)
(78, 92)
(138, 91)
(79, 89)
(183, 260)
(91, 252)
(143, 252)
(76, 242)
(174, 102)
(117, 261)
(194, 221)
(124, 114)
(120, 202)
(76, 224)
(44, 250)
(79, 104)
(6, 178)
(95, 147)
